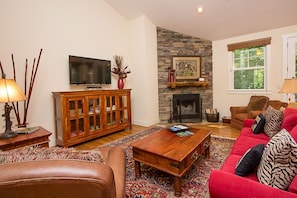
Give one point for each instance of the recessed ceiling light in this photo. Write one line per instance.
(200, 9)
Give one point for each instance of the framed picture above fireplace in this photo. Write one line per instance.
(186, 67)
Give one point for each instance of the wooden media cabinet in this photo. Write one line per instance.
(84, 115)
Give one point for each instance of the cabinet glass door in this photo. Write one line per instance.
(111, 110)
(123, 108)
(76, 118)
(94, 109)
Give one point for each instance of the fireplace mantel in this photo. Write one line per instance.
(202, 84)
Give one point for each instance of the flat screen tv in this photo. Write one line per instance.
(89, 70)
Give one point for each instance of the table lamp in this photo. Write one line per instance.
(9, 92)
(290, 87)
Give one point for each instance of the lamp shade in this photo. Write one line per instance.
(10, 91)
(289, 86)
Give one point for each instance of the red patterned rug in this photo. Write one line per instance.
(157, 184)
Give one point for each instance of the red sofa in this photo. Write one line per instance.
(225, 183)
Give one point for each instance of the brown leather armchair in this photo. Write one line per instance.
(66, 178)
(257, 104)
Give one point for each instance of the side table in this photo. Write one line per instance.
(226, 119)
(39, 137)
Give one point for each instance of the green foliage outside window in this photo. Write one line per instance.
(248, 66)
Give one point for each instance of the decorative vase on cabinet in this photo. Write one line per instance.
(121, 83)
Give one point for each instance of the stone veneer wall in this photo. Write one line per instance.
(172, 44)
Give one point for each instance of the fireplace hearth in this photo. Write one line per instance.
(186, 108)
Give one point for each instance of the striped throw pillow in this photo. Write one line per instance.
(278, 165)
(273, 121)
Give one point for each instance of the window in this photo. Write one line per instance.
(249, 65)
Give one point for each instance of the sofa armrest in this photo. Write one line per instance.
(223, 184)
(56, 178)
(238, 109)
(117, 161)
(248, 122)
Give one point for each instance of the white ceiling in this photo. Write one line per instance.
(220, 19)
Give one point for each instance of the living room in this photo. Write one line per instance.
(95, 29)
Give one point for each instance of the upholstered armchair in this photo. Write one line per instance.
(256, 105)
(63, 178)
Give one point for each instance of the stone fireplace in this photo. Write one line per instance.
(173, 44)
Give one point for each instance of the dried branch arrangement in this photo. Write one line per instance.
(120, 68)
(28, 88)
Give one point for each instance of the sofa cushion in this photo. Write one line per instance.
(278, 165)
(29, 153)
(259, 124)
(230, 164)
(247, 131)
(293, 186)
(290, 119)
(293, 133)
(250, 160)
(244, 143)
(257, 103)
(273, 121)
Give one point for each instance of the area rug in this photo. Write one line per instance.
(157, 184)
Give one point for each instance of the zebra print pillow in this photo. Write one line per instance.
(278, 165)
(273, 121)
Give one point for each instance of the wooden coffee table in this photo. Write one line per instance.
(170, 153)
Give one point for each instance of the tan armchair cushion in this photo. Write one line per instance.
(253, 114)
(257, 103)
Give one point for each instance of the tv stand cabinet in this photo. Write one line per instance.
(84, 115)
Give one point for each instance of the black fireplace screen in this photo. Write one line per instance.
(187, 108)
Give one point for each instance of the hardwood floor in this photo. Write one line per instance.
(109, 138)
(218, 129)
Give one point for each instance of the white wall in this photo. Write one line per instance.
(145, 109)
(222, 98)
(89, 28)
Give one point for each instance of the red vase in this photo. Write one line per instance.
(121, 83)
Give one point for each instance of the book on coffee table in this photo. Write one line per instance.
(184, 133)
(27, 130)
(178, 128)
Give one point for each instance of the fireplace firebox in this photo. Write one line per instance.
(186, 108)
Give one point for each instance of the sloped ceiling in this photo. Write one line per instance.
(220, 19)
